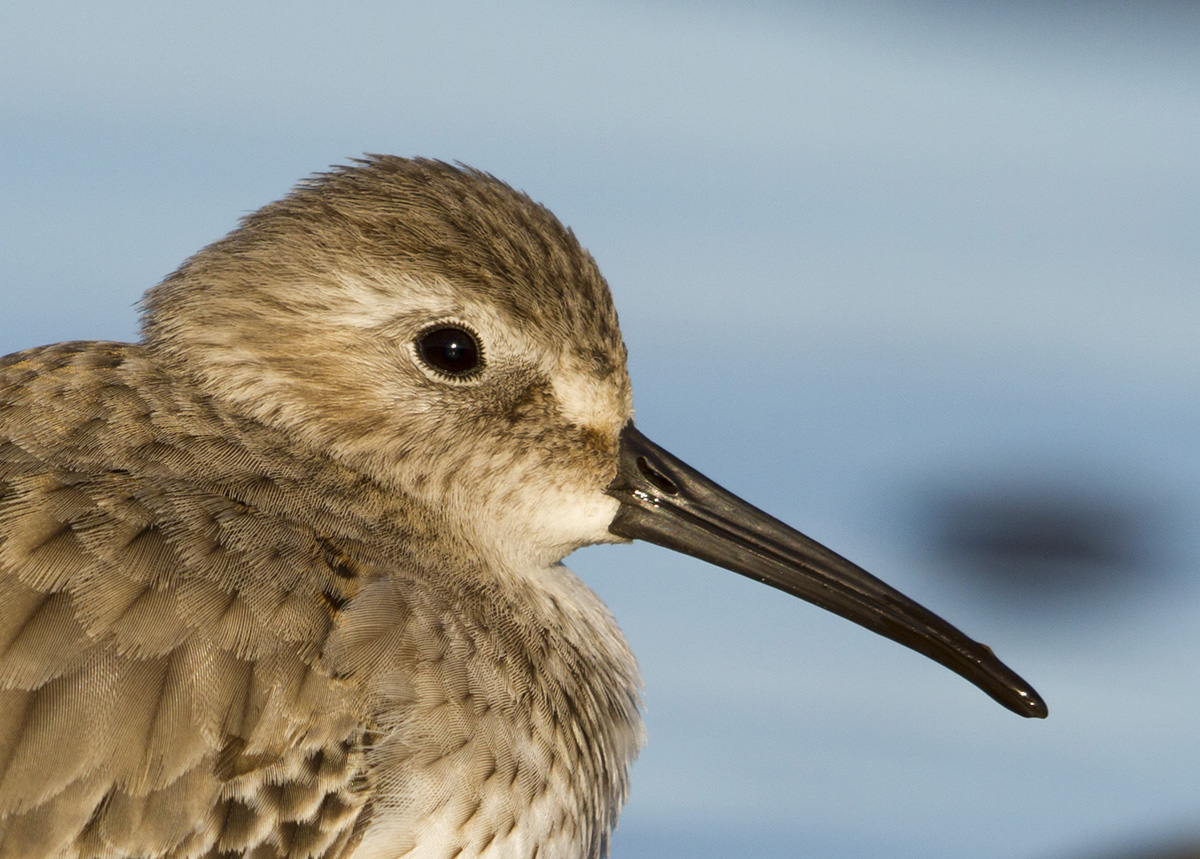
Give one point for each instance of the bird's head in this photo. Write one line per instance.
(429, 326)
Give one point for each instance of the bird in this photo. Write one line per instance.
(284, 577)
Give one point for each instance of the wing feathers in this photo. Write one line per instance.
(161, 688)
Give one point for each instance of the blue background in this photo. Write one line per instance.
(919, 278)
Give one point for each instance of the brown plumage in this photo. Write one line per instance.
(244, 608)
(283, 579)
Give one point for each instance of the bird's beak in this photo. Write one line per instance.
(665, 501)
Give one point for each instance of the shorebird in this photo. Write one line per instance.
(284, 578)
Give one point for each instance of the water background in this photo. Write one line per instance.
(919, 278)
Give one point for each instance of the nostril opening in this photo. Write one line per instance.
(660, 480)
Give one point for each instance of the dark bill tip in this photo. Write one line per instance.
(665, 501)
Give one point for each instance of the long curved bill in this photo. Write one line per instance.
(665, 501)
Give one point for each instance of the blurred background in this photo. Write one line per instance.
(917, 277)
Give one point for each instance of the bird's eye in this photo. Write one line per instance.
(450, 350)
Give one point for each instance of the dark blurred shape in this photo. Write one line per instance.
(1174, 850)
(1047, 540)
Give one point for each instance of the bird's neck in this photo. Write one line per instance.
(506, 715)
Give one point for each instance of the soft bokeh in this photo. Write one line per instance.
(919, 278)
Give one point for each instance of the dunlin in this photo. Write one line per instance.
(283, 579)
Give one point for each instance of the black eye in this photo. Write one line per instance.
(451, 350)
